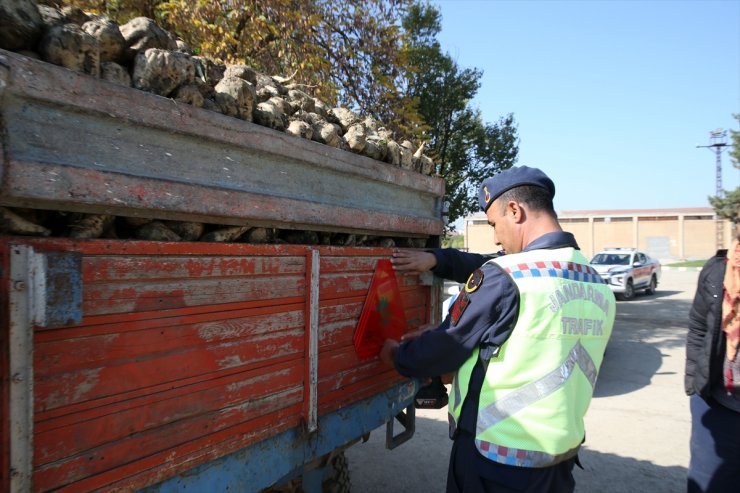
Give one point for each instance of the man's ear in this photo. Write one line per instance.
(516, 210)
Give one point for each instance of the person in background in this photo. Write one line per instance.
(524, 339)
(712, 378)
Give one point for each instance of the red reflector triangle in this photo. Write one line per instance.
(382, 316)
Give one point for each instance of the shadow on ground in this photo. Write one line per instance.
(418, 466)
(627, 367)
(609, 473)
(426, 470)
(644, 328)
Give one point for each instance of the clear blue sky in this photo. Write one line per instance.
(610, 97)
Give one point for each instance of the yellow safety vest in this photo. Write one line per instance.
(539, 385)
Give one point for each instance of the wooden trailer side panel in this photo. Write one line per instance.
(146, 155)
(344, 285)
(188, 352)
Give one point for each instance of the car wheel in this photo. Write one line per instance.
(629, 291)
(653, 284)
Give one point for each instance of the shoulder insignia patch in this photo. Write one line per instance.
(458, 307)
(474, 281)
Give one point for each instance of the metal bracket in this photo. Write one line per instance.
(45, 290)
(426, 279)
(310, 385)
(408, 421)
(56, 280)
(20, 339)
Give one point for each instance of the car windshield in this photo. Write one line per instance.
(611, 259)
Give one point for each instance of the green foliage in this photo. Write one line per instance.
(735, 149)
(465, 149)
(728, 206)
(120, 11)
(453, 241)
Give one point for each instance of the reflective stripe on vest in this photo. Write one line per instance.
(534, 391)
(522, 458)
(565, 270)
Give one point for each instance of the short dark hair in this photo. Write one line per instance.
(536, 198)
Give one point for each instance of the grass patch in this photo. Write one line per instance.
(688, 263)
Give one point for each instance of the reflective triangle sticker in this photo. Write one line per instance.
(382, 315)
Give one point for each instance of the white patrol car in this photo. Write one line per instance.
(626, 270)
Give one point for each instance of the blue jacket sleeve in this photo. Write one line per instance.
(457, 265)
(486, 321)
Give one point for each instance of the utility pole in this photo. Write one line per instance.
(718, 142)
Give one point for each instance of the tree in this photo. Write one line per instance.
(465, 149)
(728, 206)
(735, 149)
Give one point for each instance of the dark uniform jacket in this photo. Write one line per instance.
(705, 343)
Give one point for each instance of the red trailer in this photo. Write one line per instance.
(155, 366)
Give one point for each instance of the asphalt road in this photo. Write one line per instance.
(637, 428)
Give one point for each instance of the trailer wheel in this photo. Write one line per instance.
(337, 475)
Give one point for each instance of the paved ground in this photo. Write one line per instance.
(637, 426)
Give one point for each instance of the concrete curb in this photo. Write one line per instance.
(681, 269)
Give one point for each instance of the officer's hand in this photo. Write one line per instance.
(388, 352)
(447, 378)
(413, 261)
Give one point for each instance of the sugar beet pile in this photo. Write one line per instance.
(142, 55)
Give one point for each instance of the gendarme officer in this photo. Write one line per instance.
(525, 339)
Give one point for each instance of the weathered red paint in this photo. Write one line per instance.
(108, 424)
(88, 475)
(358, 390)
(101, 269)
(135, 394)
